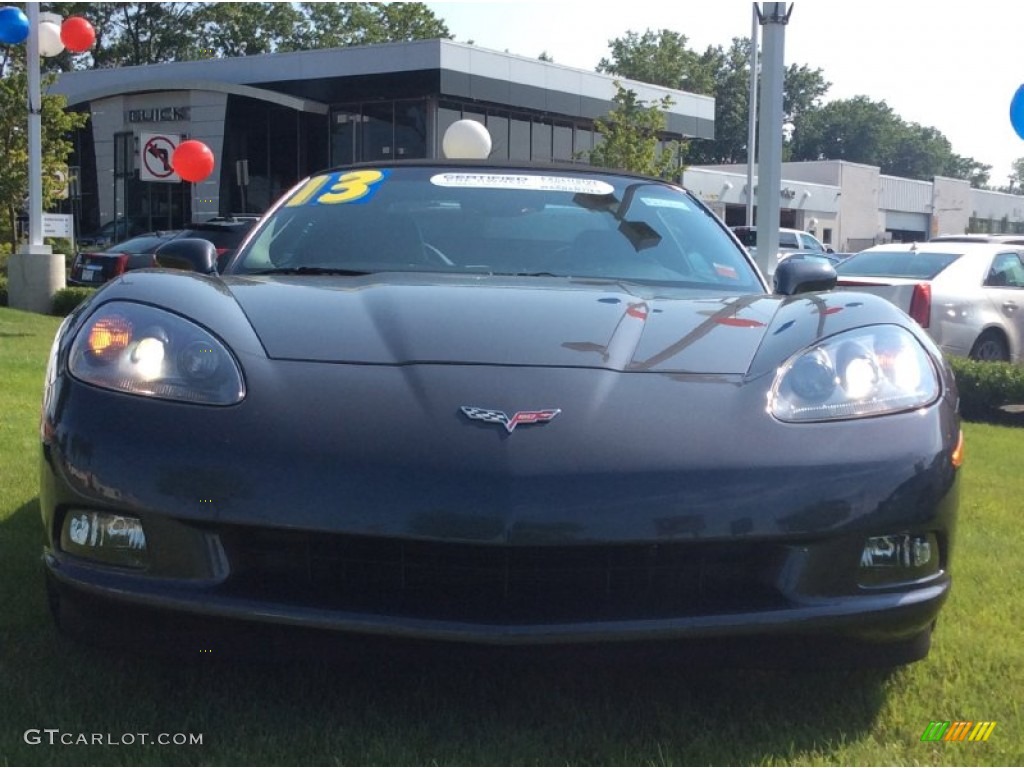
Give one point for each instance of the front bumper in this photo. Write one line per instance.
(872, 617)
(409, 521)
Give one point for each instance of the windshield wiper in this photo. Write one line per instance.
(311, 271)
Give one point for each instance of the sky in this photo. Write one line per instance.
(954, 66)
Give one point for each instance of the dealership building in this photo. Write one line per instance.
(272, 119)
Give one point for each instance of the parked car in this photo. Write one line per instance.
(969, 296)
(832, 259)
(790, 241)
(93, 268)
(108, 234)
(500, 404)
(980, 238)
(225, 232)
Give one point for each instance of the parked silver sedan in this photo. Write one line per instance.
(1005, 239)
(968, 296)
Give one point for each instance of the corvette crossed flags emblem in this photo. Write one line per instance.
(513, 421)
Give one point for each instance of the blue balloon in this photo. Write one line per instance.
(13, 25)
(1017, 112)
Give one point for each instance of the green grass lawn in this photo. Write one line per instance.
(419, 710)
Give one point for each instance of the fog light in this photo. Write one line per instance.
(105, 537)
(899, 557)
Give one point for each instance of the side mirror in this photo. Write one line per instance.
(798, 275)
(191, 254)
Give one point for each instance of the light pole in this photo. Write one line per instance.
(774, 17)
(35, 273)
(752, 114)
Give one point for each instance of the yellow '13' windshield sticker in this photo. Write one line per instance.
(338, 187)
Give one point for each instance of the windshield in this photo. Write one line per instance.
(220, 237)
(747, 236)
(913, 265)
(497, 221)
(811, 243)
(142, 243)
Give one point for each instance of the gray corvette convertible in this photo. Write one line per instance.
(500, 405)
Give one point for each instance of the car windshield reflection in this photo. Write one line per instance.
(500, 223)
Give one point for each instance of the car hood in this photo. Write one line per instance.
(485, 320)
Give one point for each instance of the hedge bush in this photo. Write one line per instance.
(3, 291)
(66, 299)
(5, 257)
(985, 387)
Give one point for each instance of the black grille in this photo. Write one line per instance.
(506, 584)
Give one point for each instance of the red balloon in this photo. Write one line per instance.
(192, 160)
(77, 34)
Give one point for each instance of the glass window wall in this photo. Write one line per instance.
(383, 130)
(521, 136)
(540, 142)
(561, 149)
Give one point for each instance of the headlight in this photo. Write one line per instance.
(142, 350)
(866, 372)
(45, 426)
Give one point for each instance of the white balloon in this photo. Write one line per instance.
(466, 139)
(49, 39)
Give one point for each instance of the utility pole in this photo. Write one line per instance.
(774, 17)
(752, 112)
(35, 273)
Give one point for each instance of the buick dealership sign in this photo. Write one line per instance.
(158, 115)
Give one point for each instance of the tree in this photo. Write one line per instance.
(245, 29)
(56, 127)
(918, 152)
(859, 130)
(632, 137)
(864, 131)
(337, 25)
(659, 58)
(663, 58)
(130, 34)
(404, 22)
(978, 174)
(728, 72)
(1016, 178)
(803, 90)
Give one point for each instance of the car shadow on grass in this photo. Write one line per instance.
(271, 696)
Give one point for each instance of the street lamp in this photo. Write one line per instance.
(752, 112)
(35, 273)
(773, 17)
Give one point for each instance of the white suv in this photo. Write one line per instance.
(790, 241)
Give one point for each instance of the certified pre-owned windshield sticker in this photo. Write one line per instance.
(523, 181)
(340, 187)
